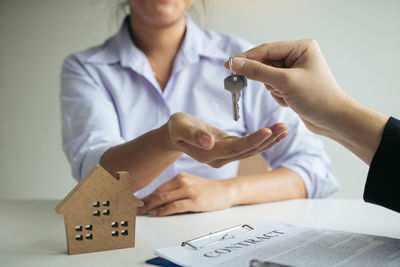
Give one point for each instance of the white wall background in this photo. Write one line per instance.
(360, 38)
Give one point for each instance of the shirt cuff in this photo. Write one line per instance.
(318, 185)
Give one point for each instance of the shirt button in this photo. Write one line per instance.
(164, 109)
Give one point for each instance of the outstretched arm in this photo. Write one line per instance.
(147, 156)
(297, 75)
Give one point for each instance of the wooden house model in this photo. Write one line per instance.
(100, 213)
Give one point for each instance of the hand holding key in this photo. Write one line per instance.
(235, 83)
(297, 75)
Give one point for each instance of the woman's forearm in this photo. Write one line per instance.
(145, 157)
(276, 185)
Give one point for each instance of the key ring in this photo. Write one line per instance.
(230, 65)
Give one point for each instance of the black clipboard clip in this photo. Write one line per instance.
(217, 237)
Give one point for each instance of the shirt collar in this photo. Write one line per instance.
(120, 48)
(199, 43)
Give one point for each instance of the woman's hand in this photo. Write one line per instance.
(187, 193)
(148, 155)
(215, 147)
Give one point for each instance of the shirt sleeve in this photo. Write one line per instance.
(90, 122)
(383, 181)
(301, 151)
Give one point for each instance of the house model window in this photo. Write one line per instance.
(123, 228)
(100, 213)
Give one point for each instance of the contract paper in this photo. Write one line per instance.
(289, 245)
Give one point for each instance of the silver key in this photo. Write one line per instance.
(235, 83)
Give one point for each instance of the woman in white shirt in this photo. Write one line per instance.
(118, 98)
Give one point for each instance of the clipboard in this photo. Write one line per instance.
(208, 240)
(218, 237)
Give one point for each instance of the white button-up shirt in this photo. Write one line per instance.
(109, 96)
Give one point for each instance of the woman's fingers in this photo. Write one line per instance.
(276, 131)
(215, 147)
(274, 142)
(187, 129)
(228, 147)
(234, 146)
(158, 199)
(179, 206)
(168, 185)
(279, 132)
(217, 133)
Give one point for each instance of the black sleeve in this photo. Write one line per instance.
(383, 182)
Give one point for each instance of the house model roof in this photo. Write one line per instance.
(98, 182)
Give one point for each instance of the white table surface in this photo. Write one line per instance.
(32, 234)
